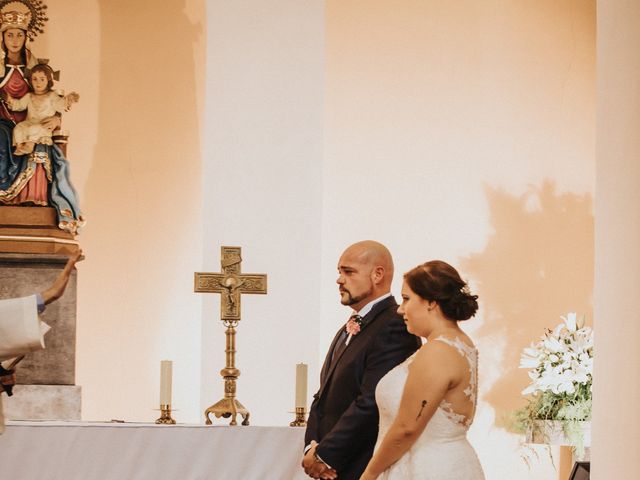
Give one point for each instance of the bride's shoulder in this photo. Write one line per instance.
(435, 360)
(447, 346)
(435, 349)
(454, 340)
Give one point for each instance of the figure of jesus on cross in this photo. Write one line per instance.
(230, 283)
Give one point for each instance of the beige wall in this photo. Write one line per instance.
(136, 160)
(616, 424)
(465, 131)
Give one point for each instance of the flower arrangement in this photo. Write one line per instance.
(561, 371)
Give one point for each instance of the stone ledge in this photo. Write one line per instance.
(43, 402)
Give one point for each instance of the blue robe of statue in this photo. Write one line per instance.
(16, 170)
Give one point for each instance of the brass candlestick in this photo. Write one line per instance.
(165, 416)
(301, 416)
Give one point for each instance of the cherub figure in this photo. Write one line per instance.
(40, 103)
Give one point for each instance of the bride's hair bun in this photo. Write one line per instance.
(438, 281)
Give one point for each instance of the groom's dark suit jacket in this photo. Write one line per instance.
(344, 417)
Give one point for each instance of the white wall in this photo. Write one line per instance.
(262, 190)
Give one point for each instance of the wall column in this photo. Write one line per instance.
(616, 419)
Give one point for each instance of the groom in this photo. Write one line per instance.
(343, 419)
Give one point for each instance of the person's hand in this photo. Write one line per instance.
(329, 474)
(51, 123)
(314, 467)
(56, 290)
(308, 460)
(70, 99)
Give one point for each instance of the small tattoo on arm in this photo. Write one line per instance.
(424, 404)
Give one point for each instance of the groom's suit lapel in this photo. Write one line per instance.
(331, 364)
(326, 367)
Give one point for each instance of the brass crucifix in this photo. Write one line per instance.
(230, 284)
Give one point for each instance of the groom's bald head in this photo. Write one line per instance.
(365, 273)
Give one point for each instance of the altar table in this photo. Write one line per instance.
(141, 451)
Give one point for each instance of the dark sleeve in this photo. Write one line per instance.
(312, 422)
(392, 346)
(311, 432)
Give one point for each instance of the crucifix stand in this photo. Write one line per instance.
(230, 283)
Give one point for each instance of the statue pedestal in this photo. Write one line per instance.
(33, 251)
(33, 230)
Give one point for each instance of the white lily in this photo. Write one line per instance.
(552, 344)
(570, 321)
(562, 360)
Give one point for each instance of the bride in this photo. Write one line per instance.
(422, 433)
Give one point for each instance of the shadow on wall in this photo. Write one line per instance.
(148, 149)
(537, 265)
(146, 168)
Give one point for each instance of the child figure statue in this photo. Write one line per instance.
(41, 103)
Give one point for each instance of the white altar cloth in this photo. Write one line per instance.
(141, 451)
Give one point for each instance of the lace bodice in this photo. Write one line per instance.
(470, 353)
(442, 452)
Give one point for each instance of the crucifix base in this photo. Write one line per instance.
(227, 407)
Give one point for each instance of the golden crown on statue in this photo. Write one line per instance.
(28, 15)
(15, 20)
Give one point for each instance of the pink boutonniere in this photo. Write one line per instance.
(353, 324)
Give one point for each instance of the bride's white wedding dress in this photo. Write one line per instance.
(442, 452)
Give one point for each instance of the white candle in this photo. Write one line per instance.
(165, 382)
(301, 385)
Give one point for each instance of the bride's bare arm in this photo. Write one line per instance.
(430, 376)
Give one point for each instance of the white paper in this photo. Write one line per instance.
(21, 331)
